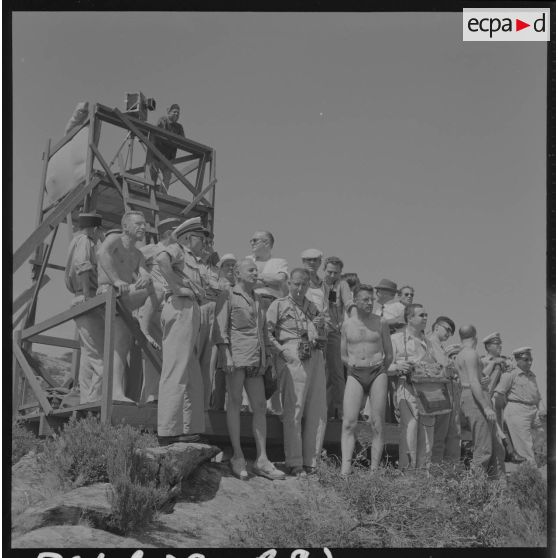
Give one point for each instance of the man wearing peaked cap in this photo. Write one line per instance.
(180, 413)
(387, 306)
(312, 260)
(152, 162)
(149, 315)
(524, 409)
(80, 276)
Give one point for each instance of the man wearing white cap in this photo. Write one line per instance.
(149, 315)
(273, 274)
(81, 279)
(180, 413)
(121, 265)
(226, 266)
(524, 409)
(488, 451)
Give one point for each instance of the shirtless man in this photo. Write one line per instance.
(488, 451)
(121, 265)
(366, 350)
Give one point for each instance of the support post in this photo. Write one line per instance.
(108, 356)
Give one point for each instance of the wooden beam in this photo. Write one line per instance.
(68, 137)
(177, 161)
(26, 295)
(63, 317)
(49, 265)
(76, 359)
(54, 341)
(106, 168)
(17, 380)
(59, 213)
(134, 327)
(30, 377)
(197, 198)
(108, 355)
(162, 159)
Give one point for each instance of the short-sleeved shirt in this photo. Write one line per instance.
(272, 266)
(240, 323)
(519, 386)
(166, 148)
(393, 309)
(287, 321)
(82, 257)
(186, 267)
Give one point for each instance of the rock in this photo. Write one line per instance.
(170, 465)
(87, 502)
(75, 536)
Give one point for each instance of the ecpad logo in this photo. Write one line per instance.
(493, 24)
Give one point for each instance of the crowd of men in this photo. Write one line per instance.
(307, 343)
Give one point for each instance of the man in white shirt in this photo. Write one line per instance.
(387, 306)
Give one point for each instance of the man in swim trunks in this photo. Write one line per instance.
(366, 350)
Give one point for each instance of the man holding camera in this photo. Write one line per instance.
(152, 163)
(293, 323)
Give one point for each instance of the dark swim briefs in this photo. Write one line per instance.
(366, 375)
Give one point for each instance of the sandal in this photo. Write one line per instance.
(269, 471)
(238, 468)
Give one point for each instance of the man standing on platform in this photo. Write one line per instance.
(121, 265)
(149, 315)
(152, 162)
(273, 274)
(180, 416)
(488, 451)
(524, 409)
(80, 276)
(340, 297)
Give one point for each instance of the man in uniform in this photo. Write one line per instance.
(152, 163)
(81, 279)
(149, 315)
(367, 352)
(524, 410)
(121, 265)
(180, 413)
(488, 451)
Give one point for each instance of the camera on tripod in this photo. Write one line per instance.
(137, 105)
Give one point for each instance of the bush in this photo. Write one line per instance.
(23, 441)
(528, 488)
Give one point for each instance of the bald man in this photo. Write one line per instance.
(488, 451)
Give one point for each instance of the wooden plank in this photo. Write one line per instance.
(49, 265)
(76, 359)
(63, 317)
(17, 380)
(54, 341)
(68, 137)
(162, 159)
(109, 115)
(26, 295)
(133, 326)
(39, 217)
(177, 161)
(52, 220)
(108, 355)
(30, 377)
(140, 203)
(201, 173)
(197, 198)
(106, 168)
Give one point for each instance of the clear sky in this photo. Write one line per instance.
(381, 138)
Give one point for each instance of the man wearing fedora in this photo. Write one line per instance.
(152, 163)
(80, 276)
(524, 409)
(180, 413)
(149, 315)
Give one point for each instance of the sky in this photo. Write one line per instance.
(381, 138)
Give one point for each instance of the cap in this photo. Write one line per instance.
(311, 253)
(387, 285)
(168, 224)
(190, 225)
(89, 220)
(226, 258)
(492, 337)
(173, 106)
(451, 350)
(521, 351)
(207, 232)
(113, 231)
(444, 320)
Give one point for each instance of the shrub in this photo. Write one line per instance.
(528, 488)
(23, 441)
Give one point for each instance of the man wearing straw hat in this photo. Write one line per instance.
(80, 277)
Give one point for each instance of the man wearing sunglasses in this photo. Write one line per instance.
(524, 409)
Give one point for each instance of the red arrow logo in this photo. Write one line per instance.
(519, 25)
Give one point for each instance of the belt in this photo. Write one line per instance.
(168, 295)
(522, 402)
